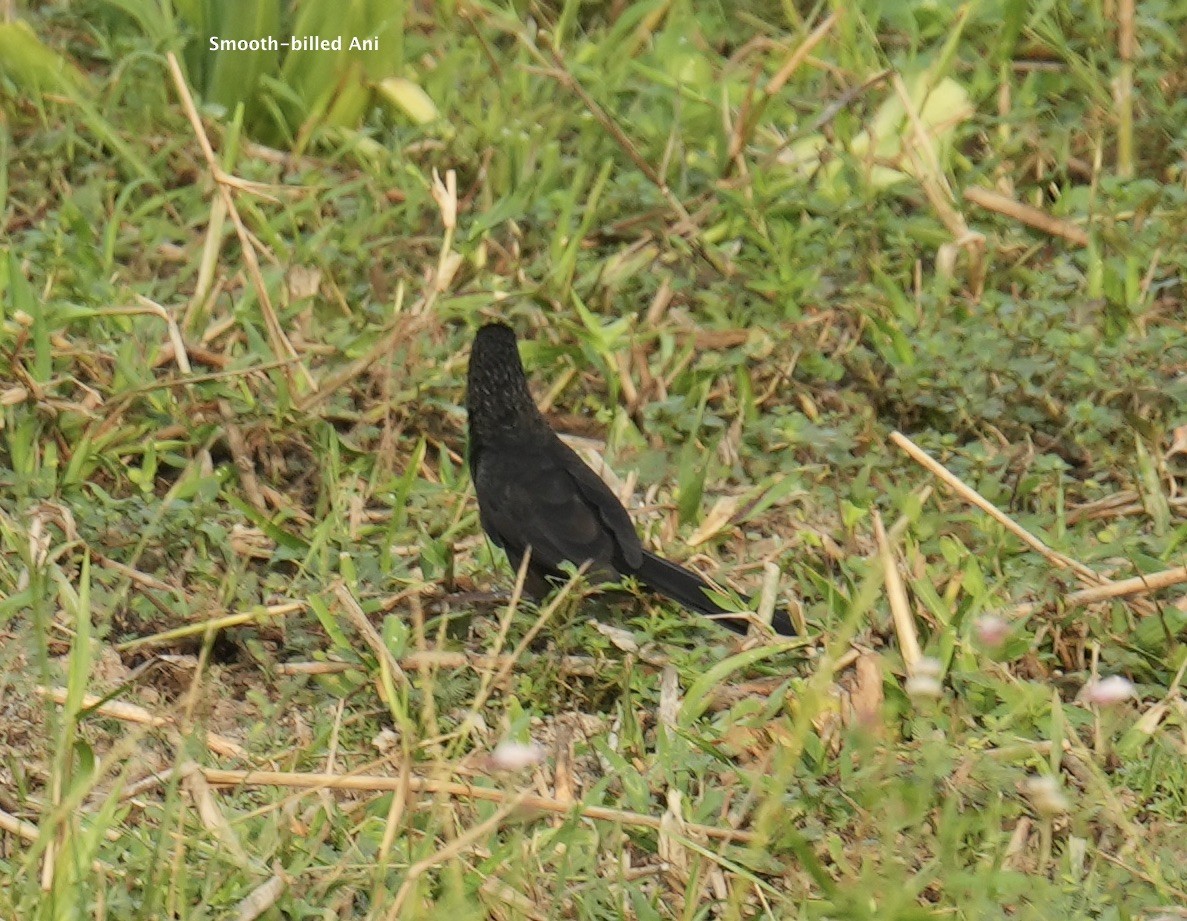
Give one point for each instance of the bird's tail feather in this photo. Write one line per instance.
(687, 588)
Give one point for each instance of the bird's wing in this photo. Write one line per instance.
(609, 509)
(544, 500)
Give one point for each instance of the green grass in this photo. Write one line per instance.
(709, 284)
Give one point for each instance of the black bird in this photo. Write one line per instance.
(534, 491)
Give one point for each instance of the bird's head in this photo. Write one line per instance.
(498, 401)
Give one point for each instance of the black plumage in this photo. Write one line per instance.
(534, 491)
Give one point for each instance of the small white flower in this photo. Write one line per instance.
(1046, 796)
(1107, 692)
(991, 630)
(515, 756)
(385, 741)
(925, 679)
(924, 686)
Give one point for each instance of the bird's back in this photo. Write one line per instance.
(531, 494)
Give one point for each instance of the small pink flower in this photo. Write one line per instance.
(991, 630)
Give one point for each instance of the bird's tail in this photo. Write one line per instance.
(687, 588)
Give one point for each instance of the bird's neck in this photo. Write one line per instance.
(513, 427)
